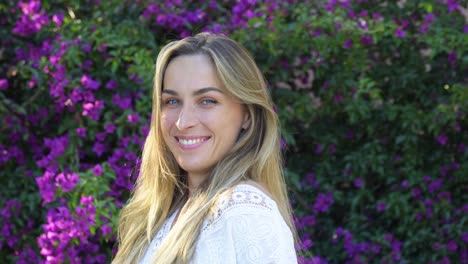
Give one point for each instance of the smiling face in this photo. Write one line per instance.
(200, 120)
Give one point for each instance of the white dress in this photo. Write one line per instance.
(246, 227)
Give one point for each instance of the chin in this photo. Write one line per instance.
(195, 169)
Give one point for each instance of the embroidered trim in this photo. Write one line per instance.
(242, 195)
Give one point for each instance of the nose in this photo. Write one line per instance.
(187, 118)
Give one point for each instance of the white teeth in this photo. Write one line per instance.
(190, 141)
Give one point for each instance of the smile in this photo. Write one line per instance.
(191, 142)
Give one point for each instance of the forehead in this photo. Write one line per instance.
(189, 72)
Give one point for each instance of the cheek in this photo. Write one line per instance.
(167, 121)
(226, 123)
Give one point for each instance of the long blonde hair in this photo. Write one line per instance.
(161, 185)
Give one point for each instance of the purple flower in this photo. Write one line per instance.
(306, 244)
(133, 118)
(381, 207)
(377, 16)
(145, 130)
(215, 28)
(310, 179)
(93, 109)
(86, 48)
(323, 202)
(452, 57)
(464, 208)
(442, 139)
(46, 187)
(444, 196)
(452, 246)
(111, 85)
(3, 84)
(338, 26)
(32, 19)
(367, 40)
(427, 178)
(86, 200)
(123, 103)
(283, 143)
(429, 213)
(348, 171)
(348, 44)
(400, 33)
(101, 136)
(97, 170)
(418, 217)
(89, 83)
(461, 148)
(87, 107)
(110, 128)
(98, 148)
(87, 65)
(457, 127)
(249, 14)
(81, 132)
(31, 7)
(102, 47)
(452, 5)
(308, 220)
(57, 147)
(58, 19)
(345, 3)
(332, 148)
(362, 24)
(318, 148)
(62, 228)
(106, 230)
(429, 17)
(67, 181)
(338, 98)
(363, 14)
(444, 170)
(464, 237)
(358, 183)
(434, 186)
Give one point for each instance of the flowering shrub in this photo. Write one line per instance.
(372, 96)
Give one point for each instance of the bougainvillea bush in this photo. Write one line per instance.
(372, 97)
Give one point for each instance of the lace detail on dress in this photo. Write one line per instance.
(243, 195)
(245, 226)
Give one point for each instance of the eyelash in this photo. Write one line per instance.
(167, 102)
(203, 102)
(209, 101)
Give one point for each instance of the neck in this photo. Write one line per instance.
(194, 181)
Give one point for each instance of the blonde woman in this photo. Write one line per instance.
(210, 188)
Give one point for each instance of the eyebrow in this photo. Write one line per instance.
(197, 92)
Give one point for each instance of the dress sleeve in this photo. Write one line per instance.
(260, 239)
(245, 235)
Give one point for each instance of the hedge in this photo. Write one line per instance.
(372, 97)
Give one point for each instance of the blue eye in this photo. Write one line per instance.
(208, 101)
(171, 102)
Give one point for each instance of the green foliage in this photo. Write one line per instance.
(372, 120)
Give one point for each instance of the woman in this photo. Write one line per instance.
(210, 188)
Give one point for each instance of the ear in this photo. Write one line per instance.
(246, 121)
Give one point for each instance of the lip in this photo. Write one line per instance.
(191, 146)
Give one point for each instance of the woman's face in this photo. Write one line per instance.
(200, 121)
